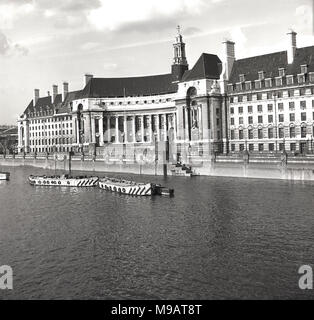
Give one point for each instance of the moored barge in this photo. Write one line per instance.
(63, 181)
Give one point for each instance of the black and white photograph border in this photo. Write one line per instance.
(156, 150)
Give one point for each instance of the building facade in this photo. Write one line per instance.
(261, 104)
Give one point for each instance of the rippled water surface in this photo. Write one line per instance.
(217, 238)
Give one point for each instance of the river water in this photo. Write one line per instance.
(218, 238)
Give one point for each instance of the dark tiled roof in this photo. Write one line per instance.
(208, 66)
(45, 103)
(270, 63)
(135, 86)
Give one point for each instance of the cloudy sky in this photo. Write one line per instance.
(45, 42)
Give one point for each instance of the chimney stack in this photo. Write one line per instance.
(229, 56)
(65, 90)
(292, 46)
(88, 77)
(54, 92)
(36, 96)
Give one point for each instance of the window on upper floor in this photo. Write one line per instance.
(311, 76)
(292, 132)
(270, 108)
(241, 120)
(281, 133)
(270, 133)
(304, 68)
(261, 75)
(258, 84)
(281, 118)
(249, 97)
(269, 95)
(250, 109)
(248, 85)
(292, 117)
(241, 134)
(250, 134)
(303, 116)
(278, 82)
(280, 106)
(241, 77)
(270, 118)
(290, 80)
(291, 93)
(268, 83)
(260, 133)
(260, 119)
(291, 105)
(260, 108)
(240, 99)
(303, 132)
(303, 105)
(232, 121)
(301, 78)
(259, 96)
(282, 72)
(231, 110)
(240, 110)
(232, 134)
(250, 120)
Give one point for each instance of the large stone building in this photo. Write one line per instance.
(258, 104)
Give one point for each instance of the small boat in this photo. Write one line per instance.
(63, 181)
(4, 175)
(127, 187)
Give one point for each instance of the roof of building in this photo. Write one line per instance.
(208, 66)
(270, 63)
(124, 87)
(46, 104)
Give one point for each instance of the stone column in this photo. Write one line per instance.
(150, 128)
(133, 129)
(93, 132)
(108, 129)
(77, 130)
(101, 131)
(117, 130)
(165, 132)
(20, 137)
(125, 129)
(157, 127)
(87, 128)
(142, 129)
(205, 126)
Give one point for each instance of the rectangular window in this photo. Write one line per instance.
(281, 118)
(260, 119)
(291, 93)
(250, 120)
(303, 105)
(269, 95)
(251, 147)
(303, 132)
(260, 133)
(261, 75)
(240, 134)
(289, 80)
(281, 146)
(231, 110)
(270, 119)
(259, 96)
(280, 106)
(271, 147)
(250, 134)
(249, 97)
(241, 147)
(292, 117)
(291, 105)
(258, 85)
(248, 86)
(278, 82)
(232, 134)
(232, 121)
(233, 147)
(292, 132)
(303, 116)
(241, 120)
(240, 110)
(281, 133)
(268, 83)
(270, 133)
(260, 147)
(240, 99)
(281, 72)
(260, 108)
(250, 109)
(270, 107)
(293, 147)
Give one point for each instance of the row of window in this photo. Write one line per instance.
(45, 142)
(56, 119)
(270, 82)
(120, 103)
(51, 149)
(271, 147)
(53, 126)
(270, 118)
(271, 95)
(271, 133)
(270, 107)
(51, 133)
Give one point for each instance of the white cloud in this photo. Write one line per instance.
(10, 13)
(114, 14)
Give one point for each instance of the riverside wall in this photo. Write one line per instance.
(258, 167)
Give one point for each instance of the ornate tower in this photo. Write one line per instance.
(180, 64)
